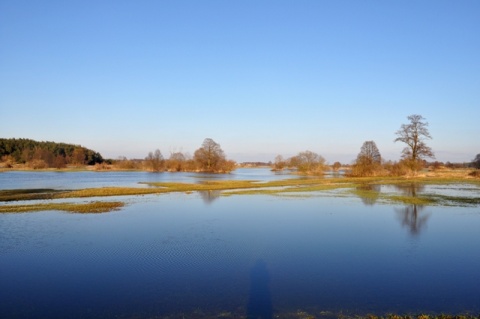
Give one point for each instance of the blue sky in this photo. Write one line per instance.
(261, 78)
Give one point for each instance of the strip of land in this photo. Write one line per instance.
(363, 187)
(91, 207)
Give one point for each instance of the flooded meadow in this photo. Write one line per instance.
(341, 252)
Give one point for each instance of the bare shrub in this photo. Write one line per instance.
(475, 173)
(37, 164)
(396, 168)
(368, 162)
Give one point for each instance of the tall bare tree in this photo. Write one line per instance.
(414, 135)
(209, 156)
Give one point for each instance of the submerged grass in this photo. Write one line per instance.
(455, 200)
(363, 187)
(92, 207)
(27, 194)
(108, 191)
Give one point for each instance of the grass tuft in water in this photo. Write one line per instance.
(85, 208)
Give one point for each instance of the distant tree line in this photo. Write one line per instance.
(211, 158)
(208, 158)
(38, 155)
(306, 162)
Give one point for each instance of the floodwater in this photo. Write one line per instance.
(202, 255)
(86, 179)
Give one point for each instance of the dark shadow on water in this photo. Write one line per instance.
(260, 300)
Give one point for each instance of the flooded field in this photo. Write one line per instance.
(343, 252)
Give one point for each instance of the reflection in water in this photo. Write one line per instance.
(369, 193)
(260, 301)
(411, 189)
(209, 196)
(411, 216)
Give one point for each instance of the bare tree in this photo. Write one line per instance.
(308, 162)
(370, 152)
(336, 166)
(279, 163)
(414, 134)
(476, 161)
(176, 162)
(368, 162)
(209, 156)
(155, 161)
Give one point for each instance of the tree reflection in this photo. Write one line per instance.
(209, 197)
(411, 216)
(369, 194)
(410, 189)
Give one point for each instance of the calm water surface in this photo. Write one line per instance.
(204, 255)
(85, 179)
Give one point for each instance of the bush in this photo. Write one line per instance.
(436, 165)
(308, 163)
(475, 173)
(125, 164)
(37, 164)
(396, 168)
(101, 166)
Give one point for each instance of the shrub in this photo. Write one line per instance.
(37, 164)
(396, 168)
(475, 173)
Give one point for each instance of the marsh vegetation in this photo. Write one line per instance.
(363, 187)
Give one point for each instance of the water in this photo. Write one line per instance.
(85, 179)
(201, 256)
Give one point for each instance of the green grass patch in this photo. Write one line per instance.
(410, 200)
(92, 207)
(455, 200)
(108, 191)
(203, 186)
(288, 189)
(366, 188)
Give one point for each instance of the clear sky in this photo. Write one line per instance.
(261, 78)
